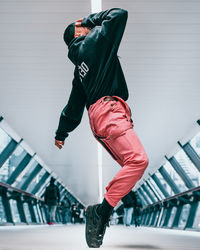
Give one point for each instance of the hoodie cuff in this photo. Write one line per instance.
(61, 137)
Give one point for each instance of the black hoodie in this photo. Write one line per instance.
(97, 71)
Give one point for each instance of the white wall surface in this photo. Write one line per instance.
(160, 55)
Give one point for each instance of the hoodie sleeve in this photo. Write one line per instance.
(72, 113)
(112, 22)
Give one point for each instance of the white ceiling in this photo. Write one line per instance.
(160, 55)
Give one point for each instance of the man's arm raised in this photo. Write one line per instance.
(112, 22)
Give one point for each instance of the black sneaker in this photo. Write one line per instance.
(95, 227)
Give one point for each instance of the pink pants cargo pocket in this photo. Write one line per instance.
(109, 119)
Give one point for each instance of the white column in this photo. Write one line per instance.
(96, 6)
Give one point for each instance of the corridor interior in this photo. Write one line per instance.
(71, 237)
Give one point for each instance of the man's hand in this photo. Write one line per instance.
(79, 30)
(59, 144)
(78, 22)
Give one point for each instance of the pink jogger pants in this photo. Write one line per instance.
(111, 125)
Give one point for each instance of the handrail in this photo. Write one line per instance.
(188, 192)
(9, 187)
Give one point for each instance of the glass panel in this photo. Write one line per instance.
(156, 218)
(175, 177)
(43, 215)
(151, 192)
(172, 216)
(164, 183)
(2, 212)
(156, 188)
(35, 180)
(35, 208)
(188, 167)
(146, 196)
(25, 174)
(144, 203)
(196, 224)
(11, 163)
(42, 189)
(162, 219)
(195, 143)
(14, 211)
(184, 216)
(27, 213)
(4, 139)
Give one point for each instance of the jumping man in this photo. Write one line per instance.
(99, 84)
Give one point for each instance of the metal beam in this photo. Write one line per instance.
(191, 153)
(21, 209)
(167, 217)
(7, 208)
(152, 189)
(177, 216)
(169, 180)
(22, 165)
(8, 151)
(177, 167)
(33, 217)
(40, 183)
(192, 214)
(143, 197)
(160, 186)
(157, 218)
(32, 175)
(153, 218)
(148, 193)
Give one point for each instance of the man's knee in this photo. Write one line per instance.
(140, 160)
(145, 161)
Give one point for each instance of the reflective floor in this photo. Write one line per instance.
(71, 237)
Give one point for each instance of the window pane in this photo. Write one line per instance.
(172, 216)
(164, 183)
(43, 187)
(163, 215)
(144, 203)
(35, 181)
(4, 139)
(25, 174)
(2, 212)
(146, 196)
(195, 143)
(36, 213)
(14, 211)
(151, 192)
(43, 215)
(175, 177)
(27, 213)
(196, 224)
(188, 167)
(184, 216)
(12, 162)
(156, 188)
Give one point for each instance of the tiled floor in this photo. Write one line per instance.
(71, 237)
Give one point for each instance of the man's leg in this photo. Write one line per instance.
(130, 152)
(111, 124)
(54, 213)
(50, 214)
